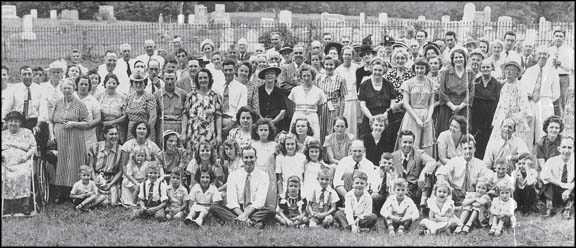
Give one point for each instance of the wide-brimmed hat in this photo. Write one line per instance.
(431, 45)
(366, 49)
(57, 65)
(456, 48)
(479, 52)
(399, 45)
(169, 132)
(512, 63)
(469, 41)
(262, 73)
(331, 45)
(285, 49)
(209, 42)
(14, 115)
(388, 41)
(138, 76)
(202, 62)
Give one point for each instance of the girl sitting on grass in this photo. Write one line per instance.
(202, 196)
(441, 217)
(474, 208)
(288, 162)
(292, 206)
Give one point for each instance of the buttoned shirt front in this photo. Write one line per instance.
(406, 208)
(146, 58)
(565, 55)
(50, 95)
(171, 105)
(553, 168)
(499, 148)
(455, 169)
(16, 97)
(355, 207)
(550, 84)
(237, 96)
(258, 190)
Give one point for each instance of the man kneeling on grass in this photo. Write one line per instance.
(357, 213)
(246, 194)
(558, 178)
(153, 196)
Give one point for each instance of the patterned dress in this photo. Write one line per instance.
(93, 110)
(17, 175)
(335, 89)
(202, 120)
(253, 101)
(395, 117)
(512, 104)
(111, 108)
(71, 144)
(139, 109)
(241, 138)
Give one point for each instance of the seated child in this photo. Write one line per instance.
(388, 175)
(399, 211)
(177, 195)
(502, 210)
(292, 206)
(474, 208)
(134, 175)
(84, 193)
(202, 196)
(441, 217)
(322, 205)
(525, 177)
(152, 196)
(357, 211)
(499, 177)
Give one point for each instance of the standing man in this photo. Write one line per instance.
(170, 101)
(177, 43)
(276, 40)
(542, 86)
(234, 95)
(509, 53)
(186, 81)
(154, 83)
(563, 62)
(246, 194)
(243, 54)
(24, 97)
(450, 40)
(347, 70)
(288, 79)
(75, 59)
(151, 53)
(326, 38)
(558, 178)
(110, 66)
(528, 59)
(125, 61)
(51, 90)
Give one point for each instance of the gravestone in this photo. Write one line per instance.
(265, 21)
(323, 17)
(107, 12)
(53, 14)
(34, 13)
(469, 11)
(487, 14)
(445, 18)
(220, 16)
(220, 8)
(180, 19)
(504, 19)
(69, 14)
(9, 12)
(252, 38)
(200, 14)
(362, 18)
(383, 18)
(421, 18)
(285, 16)
(28, 24)
(191, 18)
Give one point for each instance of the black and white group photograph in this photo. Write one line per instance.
(272, 123)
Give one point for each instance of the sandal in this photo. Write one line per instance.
(492, 230)
(400, 230)
(466, 229)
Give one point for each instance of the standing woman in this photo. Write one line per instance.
(112, 106)
(18, 148)
(419, 104)
(376, 96)
(205, 112)
(141, 105)
(262, 64)
(83, 88)
(94, 81)
(316, 63)
(456, 90)
(307, 99)
(367, 53)
(243, 76)
(263, 134)
(68, 122)
(497, 59)
(272, 99)
(486, 96)
(334, 87)
(484, 46)
(347, 70)
(245, 118)
(72, 72)
(207, 48)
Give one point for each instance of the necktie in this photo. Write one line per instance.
(357, 166)
(153, 86)
(467, 177)
(322, 198)
(507, 53)
(150, 191)
(383, 186)
(226, 99)
(27, 103)
(128, 68)
(247, 191)
(405, 165)
(537, 86)
(564, 178)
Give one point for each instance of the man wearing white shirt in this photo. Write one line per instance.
(356, 162)
(450, 40)
(154, 83)
(234, 95)
(562, 58)
(24, 97)
(506, 146)
(509, 54)
(542, 86)
(51, 91)
(110, 66)
(246, 194)
(125, 61)
(276, 40)
(558, 178)
(151, 53)
(75, 58)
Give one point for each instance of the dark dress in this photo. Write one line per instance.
(360, 74)
(271, 104)
(453, 89)
(395, 117)
(482, 112)
(377, 102)
(373, 150)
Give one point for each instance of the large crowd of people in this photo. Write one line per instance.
(452, 136)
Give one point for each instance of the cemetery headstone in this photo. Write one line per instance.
(285, 16)
(181, 19)
(28, 24)
(383, 18)
(53, 14)
(191, 18)
(107, 12)
(9, 12)
(362, 18)
(34, 13)
(200, 14)
(504, 19)
(421, 18)
(487, 13)
(469, 11)
(445, 18)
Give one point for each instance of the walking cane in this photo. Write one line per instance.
(33, 188)
(3, 184)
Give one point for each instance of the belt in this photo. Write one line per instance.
(226, 116)
(563, 75)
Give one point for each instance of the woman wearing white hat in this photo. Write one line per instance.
(207, 47)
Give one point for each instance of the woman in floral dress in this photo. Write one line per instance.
(112, 105)
(141, 105)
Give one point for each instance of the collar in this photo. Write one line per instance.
(164, 92)
(296, 65)
(406, 155)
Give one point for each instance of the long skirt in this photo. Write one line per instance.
(424, 136)
(327, 120)
(351, 114)
(71, 154)
(312, 117)
(17, 176)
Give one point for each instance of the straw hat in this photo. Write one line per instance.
(262, 73)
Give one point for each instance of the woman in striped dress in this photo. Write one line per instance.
(334, 87)
(141, 105)
(68, 123)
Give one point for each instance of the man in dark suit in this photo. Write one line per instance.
(528, 59)
(243, 54)
(288, 79)
(415, 166)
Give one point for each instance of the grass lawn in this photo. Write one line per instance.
(60, 226)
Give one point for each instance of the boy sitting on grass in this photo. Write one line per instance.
(399, 211)
(357, 213)
(84, 193)
(322, 206)
(153, 196)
